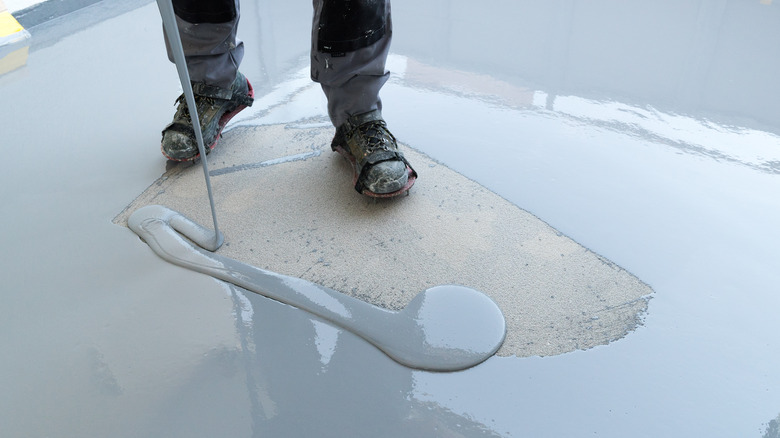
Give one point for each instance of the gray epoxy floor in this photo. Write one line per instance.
(647, 132)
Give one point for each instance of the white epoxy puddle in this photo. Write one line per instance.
(444, 328)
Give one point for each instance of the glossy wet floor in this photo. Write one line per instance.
(633, 128)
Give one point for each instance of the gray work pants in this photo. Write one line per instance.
(351, 71)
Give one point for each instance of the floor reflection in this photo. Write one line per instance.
(302, 377)
(689, 57)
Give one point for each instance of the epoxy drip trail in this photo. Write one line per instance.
(445, 328)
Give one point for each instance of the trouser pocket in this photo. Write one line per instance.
(349, 25)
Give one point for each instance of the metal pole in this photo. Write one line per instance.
(172, 32)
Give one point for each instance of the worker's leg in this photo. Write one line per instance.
(350, 44)
(348, 55)
(208, 35)
(213, 54)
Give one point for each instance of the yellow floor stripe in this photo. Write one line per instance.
(8, 24)
(14, 60)
(14, 42)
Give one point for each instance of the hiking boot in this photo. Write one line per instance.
(380, 168)
(216, 106)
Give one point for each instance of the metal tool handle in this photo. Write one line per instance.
(174, 41)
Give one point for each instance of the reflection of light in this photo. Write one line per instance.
(325, 338)
(747, 146)
(457, 318)
(299, 87)
(317, 296)
(244, 305)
